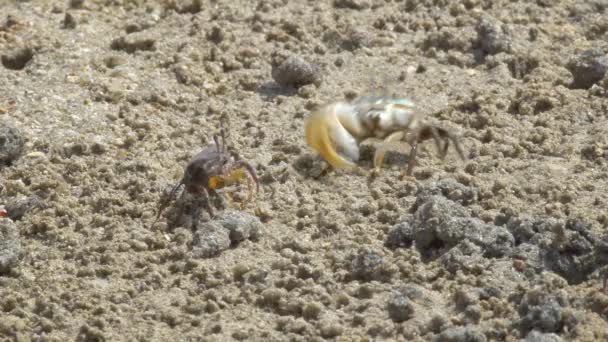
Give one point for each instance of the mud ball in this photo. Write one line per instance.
(400, 236)
(17, 59)
(462, 334)
(18, 207)
(399, 307)
(11, 145)
(535, 336)
(492, 37)
(240, 225)
(295, 71)
(229, 227)
(542, 312)
(10, 246)
(210, 240)
(588, 68)
(368, 265)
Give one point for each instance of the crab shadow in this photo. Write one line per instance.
(271, 90)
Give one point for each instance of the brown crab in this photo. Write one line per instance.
(215, 167)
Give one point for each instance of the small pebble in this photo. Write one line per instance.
(330, 329)
(76, 3)
(311, 311)
(68, 21)
(352, 4)
(139, 41)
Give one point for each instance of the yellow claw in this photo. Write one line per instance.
(235, 176)
(218, 182)
(215, 182)
(322, 129)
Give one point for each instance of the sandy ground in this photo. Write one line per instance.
(102, 104)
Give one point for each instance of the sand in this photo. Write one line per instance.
(102, 104)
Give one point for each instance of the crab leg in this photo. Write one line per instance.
(435, 135)
(251, 172)
(163, 204)
(381, 151)
(457, 146)
(412, 161)
(207, 198)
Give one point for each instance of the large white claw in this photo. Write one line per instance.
(327, 135)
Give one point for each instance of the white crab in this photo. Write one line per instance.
(335, 130)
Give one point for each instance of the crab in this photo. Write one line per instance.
(213, 169)
(335, 130)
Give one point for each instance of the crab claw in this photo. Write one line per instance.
(326, 132)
